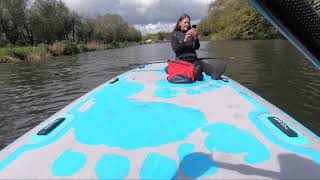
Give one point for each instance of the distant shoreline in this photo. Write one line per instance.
(43, 51)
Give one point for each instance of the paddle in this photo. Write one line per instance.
(222, 58)
(158, 62)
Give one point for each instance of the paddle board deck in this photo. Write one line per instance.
(138, 125)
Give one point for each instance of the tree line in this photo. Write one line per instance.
(236, 19)
(32, 22)
(160, 36)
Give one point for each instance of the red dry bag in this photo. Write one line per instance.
(181, 72)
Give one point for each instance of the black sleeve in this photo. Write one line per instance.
(196, 44)
(176, 44)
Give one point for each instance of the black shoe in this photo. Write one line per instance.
(218, 71)
(198, 73)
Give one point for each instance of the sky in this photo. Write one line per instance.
(149, 16)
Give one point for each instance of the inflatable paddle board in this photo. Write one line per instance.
(139, 126)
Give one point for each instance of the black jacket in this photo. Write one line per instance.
(184, 50)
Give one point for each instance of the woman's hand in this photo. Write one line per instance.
(192, 33)
(188, 36)
(195, 33)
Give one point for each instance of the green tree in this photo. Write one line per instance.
(51, 21)
(108, 28)
(31, 22)
(133, 35)
(86, 30)
(236, 19)
(14, 21)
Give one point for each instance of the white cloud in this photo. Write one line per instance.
(153, 14)
(154, 28)
(144, 3)
(158, 27)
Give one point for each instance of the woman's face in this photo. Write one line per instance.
(184, 24)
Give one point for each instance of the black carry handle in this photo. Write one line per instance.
(49, 128)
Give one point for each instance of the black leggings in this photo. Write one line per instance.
(208, 69)
(214, 71)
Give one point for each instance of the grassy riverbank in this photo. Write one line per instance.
(43, 51)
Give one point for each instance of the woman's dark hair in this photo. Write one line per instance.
(177, 27)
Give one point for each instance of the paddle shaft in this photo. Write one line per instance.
(158, 62)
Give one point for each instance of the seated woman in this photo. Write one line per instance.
(185, 42)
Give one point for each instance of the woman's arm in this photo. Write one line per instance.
(176, 44)
(179, 45)
(196, 44)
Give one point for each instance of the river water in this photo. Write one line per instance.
(274, 69)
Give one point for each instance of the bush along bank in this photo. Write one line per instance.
(20, 54)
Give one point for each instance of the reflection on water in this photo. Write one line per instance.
(31, 92)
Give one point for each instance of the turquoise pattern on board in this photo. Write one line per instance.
(185, 149)
(113, 166)
(229, 139)
(139, 130)
(168, 90)
(117, 124)
(195, 165)
(107, 99)
(30, 147)
(68, 164)
(157, 166)
(300, 140)
(261, 110)
(198, 165)
(40, 138)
